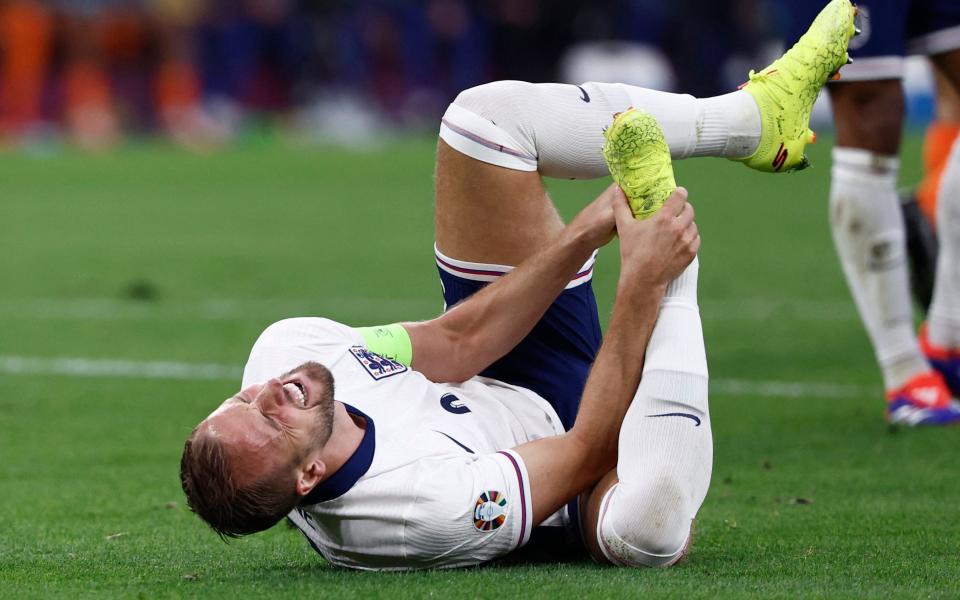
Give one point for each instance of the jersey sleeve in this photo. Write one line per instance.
(288, 344)
(469, 510)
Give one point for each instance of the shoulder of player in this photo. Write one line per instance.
(288, 343)
(398, 475)
(298, 329)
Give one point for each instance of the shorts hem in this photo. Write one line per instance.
(873, 68)
(936, 42)
(478, 138)
(491, 272)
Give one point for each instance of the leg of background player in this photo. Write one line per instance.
(498, 138)
(937, 143)
(944, 318)
(643, 512)
(943, 322)
(867, 225)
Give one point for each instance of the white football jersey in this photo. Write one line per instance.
(433, 483)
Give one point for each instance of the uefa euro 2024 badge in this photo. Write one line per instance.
(375, 365)
(490, 511)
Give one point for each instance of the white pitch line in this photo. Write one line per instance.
(95, 367)
(793, 309)
(227, 309)
(211, 309)
(788, 389)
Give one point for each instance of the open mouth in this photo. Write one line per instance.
(296, 393)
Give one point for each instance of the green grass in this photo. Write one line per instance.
(151, 254)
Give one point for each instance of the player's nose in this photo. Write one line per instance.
(270, 394)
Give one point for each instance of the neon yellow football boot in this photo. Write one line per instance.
(786, 90)
(639, 161)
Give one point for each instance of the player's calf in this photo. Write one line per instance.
(665, 451)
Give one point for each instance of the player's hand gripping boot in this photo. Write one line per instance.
(639, 161)
(924, 400)
(786, 90)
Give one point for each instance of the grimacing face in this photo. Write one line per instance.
(280, 421)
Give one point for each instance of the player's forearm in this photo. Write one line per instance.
(615, 375)
(564, 466)
(478, 331)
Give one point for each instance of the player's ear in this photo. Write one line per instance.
(310, 475)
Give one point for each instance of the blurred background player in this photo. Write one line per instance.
(941, 156)
(26, 30)
(868, 229)
(938, 141)
(920, 204)
(205, 72)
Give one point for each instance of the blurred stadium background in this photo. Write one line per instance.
(203, 72)
(175, 175)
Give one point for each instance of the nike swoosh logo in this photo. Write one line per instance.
(585, 97)
(695, 418)
(455, 441)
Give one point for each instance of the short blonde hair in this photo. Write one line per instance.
(230, 509)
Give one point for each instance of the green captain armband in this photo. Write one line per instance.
(391, 341)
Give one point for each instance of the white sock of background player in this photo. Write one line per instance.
(869, 234)
(557, 129)
(666, 446)
(943, 321)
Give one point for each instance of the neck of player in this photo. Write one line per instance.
(348, 431)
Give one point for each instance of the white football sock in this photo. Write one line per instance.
(943, 321)
(558, 128)
(666, 446)
(869, 235)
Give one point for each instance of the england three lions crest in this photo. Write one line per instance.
(490, 511)
(378, 367)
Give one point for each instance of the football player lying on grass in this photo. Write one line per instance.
(446, 443)
(383, 467)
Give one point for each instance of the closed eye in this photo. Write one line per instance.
(272, 421)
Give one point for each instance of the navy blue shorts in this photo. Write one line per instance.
(555, 358)
(892, 29)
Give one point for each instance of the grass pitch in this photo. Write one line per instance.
(153, 256)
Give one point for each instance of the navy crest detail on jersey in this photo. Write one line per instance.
(451, 403)
(378, 367)
(490, 511)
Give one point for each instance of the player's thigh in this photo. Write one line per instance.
(947, 97)
(948, 70)
(490, 214)
(868, 114)
(933, 29)
(590, 504)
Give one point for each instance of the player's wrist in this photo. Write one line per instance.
(583, 238)
(634, 287)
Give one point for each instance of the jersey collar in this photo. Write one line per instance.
(351, 471)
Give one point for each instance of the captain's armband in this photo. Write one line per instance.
(391, 341)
